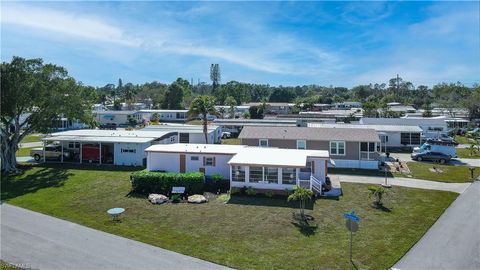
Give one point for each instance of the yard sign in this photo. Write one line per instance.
(352, 226)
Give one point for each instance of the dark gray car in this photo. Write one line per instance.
(432, 156)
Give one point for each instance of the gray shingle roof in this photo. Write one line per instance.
(312, 134)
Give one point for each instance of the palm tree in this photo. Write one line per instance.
(202, 106)
(302, 195)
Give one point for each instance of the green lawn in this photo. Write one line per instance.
(7, 266)
(23, 152)
(231, 141)
(31, 138)
(465, 153)
(450, 173)
(241, 232)
(463, 140)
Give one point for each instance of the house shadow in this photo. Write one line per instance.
(305, 225)
(265, 201)
(12, 186)
(91, 167)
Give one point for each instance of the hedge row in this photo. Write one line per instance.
(146, 182)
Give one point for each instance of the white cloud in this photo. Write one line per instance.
(258, 50)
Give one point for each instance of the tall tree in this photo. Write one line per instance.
(231, 103)
(202, 106)
(215, 76)
(129, 92)
(33, 96)
(173, 97)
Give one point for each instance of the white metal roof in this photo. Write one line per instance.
(179, 128)
(384, 128)
(93, 139)
(266, 156)
(196, 148)
(162, 111)
(112, 133)
(114, 112)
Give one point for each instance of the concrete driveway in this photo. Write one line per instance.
(453, 242)
(455, 161)
(36, 241)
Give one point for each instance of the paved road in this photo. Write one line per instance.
(453, 242)
(34, 240)
(456, 161)
(404, 182)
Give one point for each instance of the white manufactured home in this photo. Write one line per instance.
(166, 115)
(114, 147)
(244, 166)
(189, 133)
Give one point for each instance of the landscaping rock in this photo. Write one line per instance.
(157, 198)
(197, 198)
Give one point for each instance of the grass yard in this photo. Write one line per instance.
(462, 140)
(23, 152)
(241, 232)
(7, 266)
(235, 141)
(444, 173)
(465, 153)
(31, 138)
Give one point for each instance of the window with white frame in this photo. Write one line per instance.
(289, 176)
(209, 161)
(238, 174)
(271, 175)
(337, 148)
(194, 158)
(263, 142)
(256, 174)
(301, 144)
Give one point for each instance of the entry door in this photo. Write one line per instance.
(182, 163)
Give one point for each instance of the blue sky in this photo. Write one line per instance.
(279, 43)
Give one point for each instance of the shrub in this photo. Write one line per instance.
(175, 198)
(251, 191)
(216, 177)
(145, 182)
(235, 190)
(269, 193)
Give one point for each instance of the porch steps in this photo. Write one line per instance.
(336, 190)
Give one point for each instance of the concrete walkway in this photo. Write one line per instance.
(37, 241)
(404, 182)
(453, 242)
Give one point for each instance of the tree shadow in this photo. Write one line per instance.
(304, 224)
(91, 167)
(381, 207)
(264, 201)
(16, 185)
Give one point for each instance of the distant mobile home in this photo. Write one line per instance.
(391, 137)
(190, 133)
(116, 117)
(349, 148)
(259, 168)
(179, 116)
(432, 128)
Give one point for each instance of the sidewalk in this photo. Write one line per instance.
(405, 182)
(453, 242)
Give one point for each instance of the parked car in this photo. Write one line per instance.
(432, 156)
(226, 135)
(111, 126)
(51, 152)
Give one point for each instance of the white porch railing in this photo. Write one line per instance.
(315, 184)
